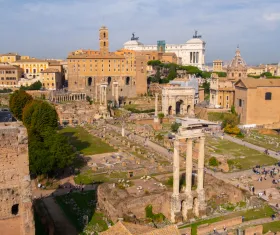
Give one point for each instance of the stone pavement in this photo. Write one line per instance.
(252, 146)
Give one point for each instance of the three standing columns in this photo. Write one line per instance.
(103, 95)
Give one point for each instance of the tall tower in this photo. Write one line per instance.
(104, 40)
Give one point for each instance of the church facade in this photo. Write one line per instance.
(190, 53)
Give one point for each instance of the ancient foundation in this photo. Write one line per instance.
(16, 215)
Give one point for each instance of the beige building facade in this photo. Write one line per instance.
(257, 101)
(9, 58)
(88, 70)
(51, 79)
(218, 66)
(9, 76)
(222, 91)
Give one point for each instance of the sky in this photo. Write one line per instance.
(53, 28)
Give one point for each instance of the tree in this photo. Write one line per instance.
(154, 63)
(18, 101)
(160, 116)
(234, 130)
(232, 109)
(266, 74)
(34, 86)
(206, 86)
(172, 72)
(175, 126)
(40, 115)
(231, 119)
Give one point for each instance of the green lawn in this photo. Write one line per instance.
(86, 143)
(216, 116)
(76, 205)
(252, 214)
(273, 227)
(265, 141)
(87, 177)
(241, 157)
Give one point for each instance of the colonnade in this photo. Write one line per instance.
(69, 97)
(194, 57)
(187, 200)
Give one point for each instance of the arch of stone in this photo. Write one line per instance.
(189, 203)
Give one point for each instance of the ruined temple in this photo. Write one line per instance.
(16, 215)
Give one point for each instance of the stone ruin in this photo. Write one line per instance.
(16, 215)
(80, 112)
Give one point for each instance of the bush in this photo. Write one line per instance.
(18, 100)
(5, 90)
(213, 161)
(175, 126)
(231, 130)
(34, 86)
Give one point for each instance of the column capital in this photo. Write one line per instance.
(202, 138)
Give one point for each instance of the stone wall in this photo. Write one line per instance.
(206, 229)
(256, 230)
(16, 213)
(117, 202)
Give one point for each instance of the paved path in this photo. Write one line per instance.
(62, 224)
(252, 146)
(256, 222)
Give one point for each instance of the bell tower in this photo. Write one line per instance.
(104, 40)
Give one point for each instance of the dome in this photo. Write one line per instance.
(237, 61)
(133, 43)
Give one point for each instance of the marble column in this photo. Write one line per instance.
(176, 169)
(200, 166)
(173, 107)
(105, 95)
(100, 98)
(123, 131)
(156, 108)
(189, 166)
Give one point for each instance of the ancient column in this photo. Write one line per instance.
(105, 95)
(117, 95)
(176, 169)
(200, 166)
(189, 166)
(100, 98)
(201, 205)
(175, 199)
(123, 130)
(156, 108)
(173, 106)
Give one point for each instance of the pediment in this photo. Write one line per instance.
(240, 83)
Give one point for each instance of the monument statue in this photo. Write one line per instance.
(134, 38)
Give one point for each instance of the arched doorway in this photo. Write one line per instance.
(189, 110)
(109, 80)
(127, 81)
(89, 81)
(170, 110)
(179, 107)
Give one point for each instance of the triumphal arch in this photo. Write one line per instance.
(188, 203)
(178, 101)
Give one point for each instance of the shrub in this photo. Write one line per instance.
(213, 161)
(234, 130)
(175, 126)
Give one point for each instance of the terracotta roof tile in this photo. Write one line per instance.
(50, 70)
(254, 83)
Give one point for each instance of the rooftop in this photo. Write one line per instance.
(32, 61)
(254, 83)
(50, 70)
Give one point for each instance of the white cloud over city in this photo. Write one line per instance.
(53, 28)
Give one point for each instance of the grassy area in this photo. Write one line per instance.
(262, 140)
(78, 204)
(252, 214)
(216, 116)
(239, 157)
(87, 177)
(86, 143)
(273, 227)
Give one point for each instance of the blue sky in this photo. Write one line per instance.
(52, 28)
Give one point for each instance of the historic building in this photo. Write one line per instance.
(257, 101)
(89, 70)
(51, 79)
(9, 57)
(222, 89)
(190, 53)
(218, 66)
(9, 75)
(16, 215)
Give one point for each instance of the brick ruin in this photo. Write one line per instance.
(16, 215)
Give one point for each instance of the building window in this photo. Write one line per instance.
(227, 97)
(268, 96)
(240, 102)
